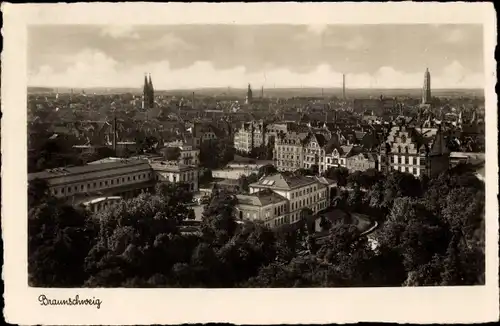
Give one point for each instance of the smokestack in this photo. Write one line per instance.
(192, 99)
(114, 134)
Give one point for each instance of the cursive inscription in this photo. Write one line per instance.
(76, 301)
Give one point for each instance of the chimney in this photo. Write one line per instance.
(114, 134)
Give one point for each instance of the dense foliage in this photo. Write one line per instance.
(216, 153)
(431, 232)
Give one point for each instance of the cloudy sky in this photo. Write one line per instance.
(192, 56)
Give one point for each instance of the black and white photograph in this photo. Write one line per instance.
(230, 156)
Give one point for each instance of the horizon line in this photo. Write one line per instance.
(245, 88)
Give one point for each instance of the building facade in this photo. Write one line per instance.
(124, 178)
(421, 151)
(289, 151)
(251, 135)
(362, 162)
(298, 192)
(175, 172)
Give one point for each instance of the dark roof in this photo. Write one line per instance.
(88, 168)
(261, 198)
(283, 181)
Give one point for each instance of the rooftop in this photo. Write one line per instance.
(283, 182)
(261, 198)
(88, 168)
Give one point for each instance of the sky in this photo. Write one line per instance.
(196, 56)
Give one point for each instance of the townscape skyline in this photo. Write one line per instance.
(221, 56)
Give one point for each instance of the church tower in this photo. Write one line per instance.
(145, 93)
(151, 97)
(249, 95)
(426, 91)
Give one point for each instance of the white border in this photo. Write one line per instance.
(241, 306)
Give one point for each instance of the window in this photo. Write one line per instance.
(134, 177)
(76, 188)
(69, 190)
(81, 187)
(414, 171)
(95, 184)
(55, 191)
(106, 182)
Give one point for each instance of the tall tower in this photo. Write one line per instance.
(151, 98)
(343, 86)
(249, 94)
(145, 93)
(426, 91)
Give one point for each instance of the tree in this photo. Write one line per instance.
(339, 175)
(245, 181)
(139, 238)
(216, 153)
(172, 153)
(219, 223)
(59, 239)
(266, 170)
(38, 192)
(205, 176)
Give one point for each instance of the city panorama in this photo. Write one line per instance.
(224, 156)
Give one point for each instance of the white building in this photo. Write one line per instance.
(290, 194)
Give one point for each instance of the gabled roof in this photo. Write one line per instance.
(319, 138)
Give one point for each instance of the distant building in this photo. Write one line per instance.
(426, 91)
(249, 98)
(148, 96)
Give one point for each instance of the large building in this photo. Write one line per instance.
(251, 135)
(289, 151)
(99, 180)
(426, 90)
(279, 199)
(102, 181)
(419, 151)
(323, 149)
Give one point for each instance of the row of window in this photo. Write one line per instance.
(402, 160)
(97, 185)
(302, 192)
(301, 203)
(279, 210)
(288, 149)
